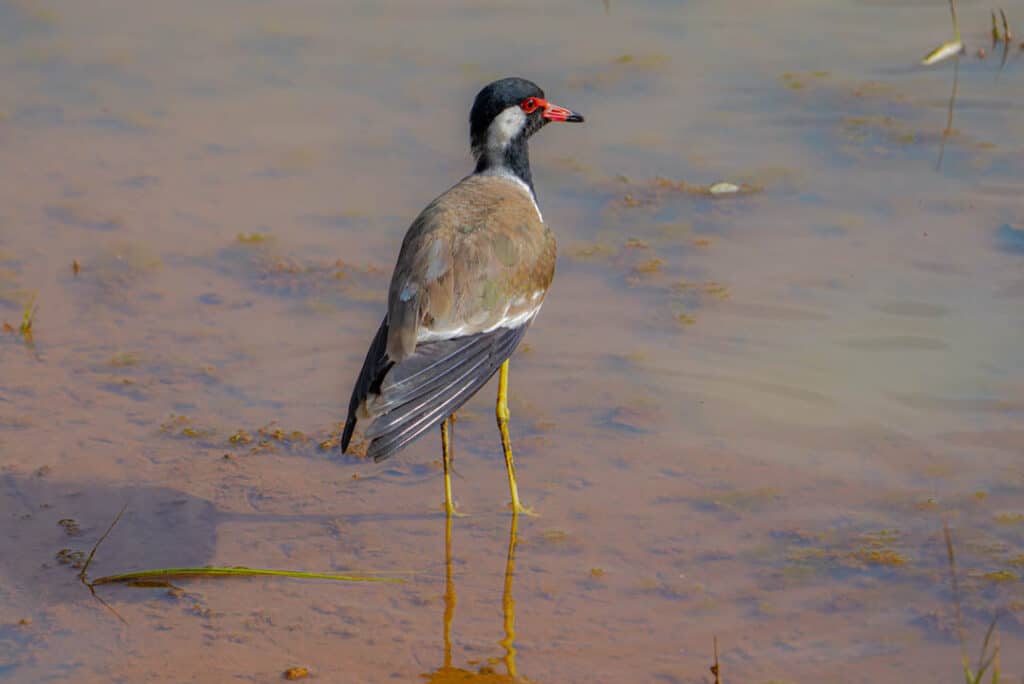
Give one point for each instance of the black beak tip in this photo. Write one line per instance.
(575, 118)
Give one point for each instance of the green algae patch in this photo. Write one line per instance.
(887, 557)
(183, 427)
(1010, 518)
(627, 67)
(320, 286)
(1000, 576)
(240, 437)
(124, 360)
(592, 251)
(649, 266)
(253, 238)
(810, 554)
(739, 501)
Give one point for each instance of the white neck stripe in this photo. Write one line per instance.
(504, 172)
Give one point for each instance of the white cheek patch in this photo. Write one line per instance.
(505, 127)
(502, 131)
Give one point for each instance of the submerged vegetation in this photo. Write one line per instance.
(28, 316)
(268, 438)
(989, 656)
(955, 48)
(1001, 33)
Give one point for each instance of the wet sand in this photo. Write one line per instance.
(745, 417)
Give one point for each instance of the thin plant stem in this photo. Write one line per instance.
(949, 115)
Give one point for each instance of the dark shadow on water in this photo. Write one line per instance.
(52, 524)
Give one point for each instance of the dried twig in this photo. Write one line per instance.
(716, 668)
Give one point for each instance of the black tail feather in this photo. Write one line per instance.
(375, 367)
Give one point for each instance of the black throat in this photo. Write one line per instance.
(515, 159)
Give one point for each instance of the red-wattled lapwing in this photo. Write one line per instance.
(470, 278)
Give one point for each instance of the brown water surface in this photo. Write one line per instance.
(744, 417)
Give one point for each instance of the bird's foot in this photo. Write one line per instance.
(450, 510)
(519, 509)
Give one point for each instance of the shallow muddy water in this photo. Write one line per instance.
(743, 417)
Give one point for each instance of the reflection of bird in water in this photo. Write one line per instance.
(446, 674)
(471, 276)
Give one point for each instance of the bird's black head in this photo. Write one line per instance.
(504, 115)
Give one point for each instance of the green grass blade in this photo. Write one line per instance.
(26, 318)
(951, 558)
(178, 573)
(96, 546)
(982, 663)
(995, 662)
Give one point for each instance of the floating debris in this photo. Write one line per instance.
(950, 48)
(71, 526)
(723, 188)
(715, 189)
(943, 52)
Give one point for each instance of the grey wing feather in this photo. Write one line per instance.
(431, 365)
(433, 383)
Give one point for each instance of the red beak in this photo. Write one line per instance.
(553, 112)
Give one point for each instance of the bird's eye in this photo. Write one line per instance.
(529, 105)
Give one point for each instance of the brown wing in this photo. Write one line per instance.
(471, 275)
(476, 256)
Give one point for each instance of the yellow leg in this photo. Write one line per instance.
(449, 591)
(508, 604)
(506, 444)
(446, 462)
